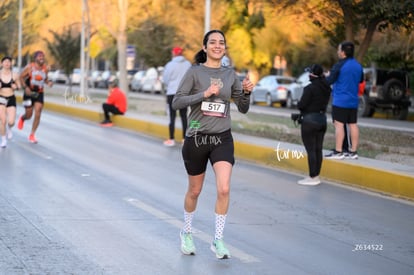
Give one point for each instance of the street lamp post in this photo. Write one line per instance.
(85, 49)
(82, 53)
(19, 58)
(207, 16)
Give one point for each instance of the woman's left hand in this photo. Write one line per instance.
(247, 85)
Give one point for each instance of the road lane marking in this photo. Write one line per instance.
(235, 252)
(31, 148)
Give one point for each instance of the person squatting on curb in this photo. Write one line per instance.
(9, 82)
(33, 79)
(208, 88)
(173, 73)
(116, 102)
(312, 106)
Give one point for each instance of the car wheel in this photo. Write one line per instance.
(289, 101)
(364, 108)
(269, 100)
(402, 114)
(393, 90)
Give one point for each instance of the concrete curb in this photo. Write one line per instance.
(392, 183)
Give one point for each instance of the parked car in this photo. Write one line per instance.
(136, 81)
(152, 81)
(93, 79)
(385, 89)
(76, 76)
(59, 77)
(102, 79)
(130, 75)
(277, 89)
(303, 79)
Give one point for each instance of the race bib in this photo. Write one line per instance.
(212, 108)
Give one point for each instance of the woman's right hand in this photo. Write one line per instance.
(214, 89)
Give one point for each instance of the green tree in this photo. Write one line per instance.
(154, 42)
(356, 21)
(8, 27)
(256, 30)
(65, 49)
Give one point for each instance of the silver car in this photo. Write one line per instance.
(151, 82)
(136, 81)
(277, 89)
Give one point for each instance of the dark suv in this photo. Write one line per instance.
(385, 90)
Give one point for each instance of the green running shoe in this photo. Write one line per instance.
(187, 244)
(221, 251)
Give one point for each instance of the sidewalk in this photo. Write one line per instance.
(384, 177)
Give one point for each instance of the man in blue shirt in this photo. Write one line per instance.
(345, 77)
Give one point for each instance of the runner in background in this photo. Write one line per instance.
(9, 82)
(34, 79)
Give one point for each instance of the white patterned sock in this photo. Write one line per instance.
(220, 222)
(188, 219)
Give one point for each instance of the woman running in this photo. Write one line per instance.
(9, 82)
(208, 88)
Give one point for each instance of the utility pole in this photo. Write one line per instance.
(207, 16)
(19, 58)
(85, 37)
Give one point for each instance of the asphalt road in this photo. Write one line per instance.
(92, 200)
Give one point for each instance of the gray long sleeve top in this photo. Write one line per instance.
(191, 93)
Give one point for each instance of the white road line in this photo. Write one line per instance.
(31, 148)
(237, 253)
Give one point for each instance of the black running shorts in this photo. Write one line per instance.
(200, 148)
(344, 115)
(11, 100)
(35, 97)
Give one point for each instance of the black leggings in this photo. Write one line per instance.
(313, 130)
(173, 114)
(109, 108)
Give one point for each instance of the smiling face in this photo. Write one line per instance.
(40, 58)
(215, 46)
(6, 63)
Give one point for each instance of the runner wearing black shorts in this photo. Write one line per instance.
(9, 82)
(200, 148)
(208, 88)
(34, 79)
